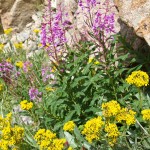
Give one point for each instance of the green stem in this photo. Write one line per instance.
(140, 98)
(145, 131)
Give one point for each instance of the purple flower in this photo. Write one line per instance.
(47, 73)
(53, 30)
(101, 22)
(43, 35)
(27, 66)
(34, 93)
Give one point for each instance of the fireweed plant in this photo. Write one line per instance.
(82, 97)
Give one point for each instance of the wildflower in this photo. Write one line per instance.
(69, 126)
(138, 78)
(40, 45)
(6, 70)
(10, 136)
(8, 31)
(19, 64)
(92, 129)
(27, 66)
(53, 31)
(47, 73)
(36, 31)
(48, 140)
(1, 47)
(112, 133)
(70, 148)
(8, 60)
(101, 22)
(25, 105)
(33, 93)
(18, 45)
(111, 108)
(126, 115)
(58, 144)
(1, 87)
(91, 59)
(146, 114)
(49, 89)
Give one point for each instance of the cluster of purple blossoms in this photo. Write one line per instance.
(27, 66)
(103, 23)
(89, 3)
(5, 67)
(101, 20)
(53, 31)
(6, 70)
(34, 93)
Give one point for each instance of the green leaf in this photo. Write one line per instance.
(70, 139)
(69, 116)
(77, 109)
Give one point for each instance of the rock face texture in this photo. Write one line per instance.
(136, 14)
(17, 13)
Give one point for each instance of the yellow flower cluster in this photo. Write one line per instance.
(92, 129)
(10, 136)
(126, 115)
(138, 78)
(8, 31)
(146, 114)
(113, 109)
(18, 45)
(110, 108)
(112, 133)
(69, 126)
(25, 105)
(47, 140)
(19, 64)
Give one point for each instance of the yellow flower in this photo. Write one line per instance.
(48, 140)
(146, 114)
(40, 45)
(10, 136)
(112, 133)
(58, 144)
(70, 148)
(92, 129)
(126, 115)
(18, 133)
(1, 87)
(19, 64)
(1, 47)
(18, 45)
(8, 60)
(138, 78)
(47, 45)
(8, 31)
(36, 31)
(91, 59)
(25, 105)
(49, 89)
(111, 108)
(69, 126)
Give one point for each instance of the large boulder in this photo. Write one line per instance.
(17, 13)
(136, 14)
